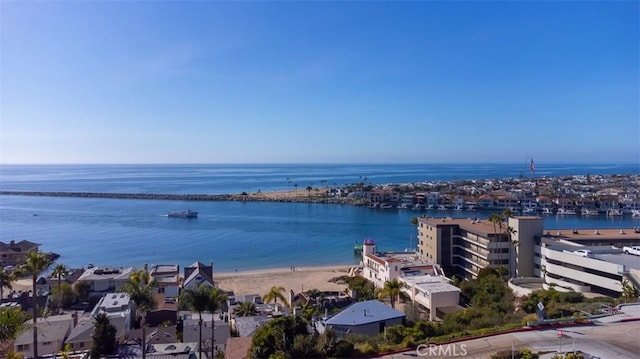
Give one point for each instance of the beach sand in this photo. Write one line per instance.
(302, 279)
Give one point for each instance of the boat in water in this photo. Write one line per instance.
(184, 214)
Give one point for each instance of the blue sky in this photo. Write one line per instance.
(252, 82)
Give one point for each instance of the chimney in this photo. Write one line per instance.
(12, 244)
(74, 316)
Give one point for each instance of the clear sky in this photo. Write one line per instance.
(357, 81)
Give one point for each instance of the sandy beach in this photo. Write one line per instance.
(302, 279)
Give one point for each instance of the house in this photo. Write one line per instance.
(121, 313)
(365, 318)
(485, 201)
(52, 331)
(198, 274)
(167, 278)
(45, 284)
(14, 253)
(435, 293)
(247, 326)
(165, 312)
(81, 338)
(173, 350)
(106, 279)
(191, 329)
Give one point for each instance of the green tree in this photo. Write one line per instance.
(59, 271)
(274, 294)
(361, 286)
(139, 287)
(35, 264)
(12, 323)
(496, 219)
(628, 290)
(392, 291)
(217, 300)
(82, 290)
(7, 277)
(277, 336)
(309, 188)
(197, 300)
(104, 337)
(245, 309)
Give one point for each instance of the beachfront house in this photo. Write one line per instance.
(191, 329)
(198, 274)
(106, 279)
(167, 278)
(45, 284)
(365, 318)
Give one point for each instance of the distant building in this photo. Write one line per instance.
(167, 278)
(14, 253)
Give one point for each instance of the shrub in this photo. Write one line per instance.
(344, 349)
(365, 348)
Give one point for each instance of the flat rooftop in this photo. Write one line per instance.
(430, 284)
(594, 234)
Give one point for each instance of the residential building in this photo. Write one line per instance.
(167, 278)
(45, 284)
(198, 274)
(365, 318)
(52, 332)
(106, 279)
(435, 293)
(14, 253)
(465, 246)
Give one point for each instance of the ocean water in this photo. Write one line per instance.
(234, 235)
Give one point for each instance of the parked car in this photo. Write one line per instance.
(635, 250)
(584, 253)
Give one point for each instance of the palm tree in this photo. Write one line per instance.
(217, 299)
(59, 271)
(197, 300)
(309, 188)
(274, 294)
(514, 242)
(139, 287)
(496, 220)
(391, 290)
(36, 263)
(12, 323)
(7, 277)
(245, 309)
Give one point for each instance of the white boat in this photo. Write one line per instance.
(590, 212)
(472, 207)
(546, 211)
(430, 207)
(458, 208)
(635, 213)
(386, 206)
(442, 208)
(614, 212)
(184, 214)
(528, 210)
(417, 207)
(566, 211)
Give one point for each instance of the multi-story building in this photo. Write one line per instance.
(106, 279)
(580, 260)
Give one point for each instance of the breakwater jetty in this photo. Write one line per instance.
(254, 197)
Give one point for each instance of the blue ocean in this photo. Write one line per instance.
(234, 235)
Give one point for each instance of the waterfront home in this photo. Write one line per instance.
(383, 195)
(508, 201)
(106, 279)
(165, 312)
(369, 318)
(247, 326)
(167, 278)
(379, 268)
(45, 284)
(607, 203)
(563, 202)
(198, 274)
(117, 305)
(485, 202)
(52, 331)
(14, 253)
